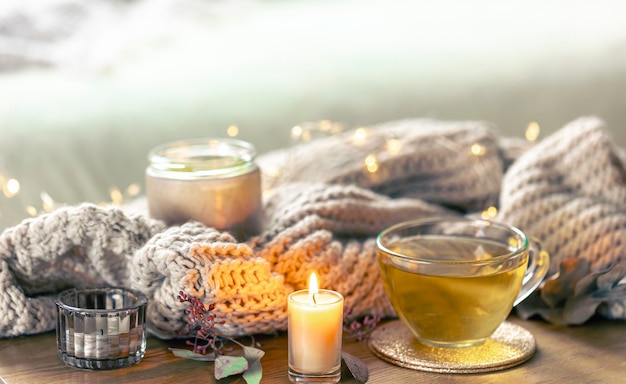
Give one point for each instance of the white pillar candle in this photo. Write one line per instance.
(314, 331)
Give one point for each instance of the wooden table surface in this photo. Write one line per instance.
(592, 353)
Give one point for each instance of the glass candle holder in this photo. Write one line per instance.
(314, 336)
(213, 181)
(101, 328)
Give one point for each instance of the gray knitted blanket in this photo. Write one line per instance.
(326, 207)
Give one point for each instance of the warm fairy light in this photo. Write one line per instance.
(325, 125)
(272, 171)
(336, 128)
(232, 130)
(300, 134)
(371, 163)
(478, 149)
(296, 132)
(532, 131)
(360, 135)
(313, 286)
(31, 210)
(116, 196)
(394, 146)
(11, 188)
(47, 202)
(133, 190)
(489, 213)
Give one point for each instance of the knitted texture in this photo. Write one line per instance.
(421, 159)
(71, 247)
(250, 282)
(569, 192)
(323, 216)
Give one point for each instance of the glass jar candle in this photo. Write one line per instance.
(213, 180)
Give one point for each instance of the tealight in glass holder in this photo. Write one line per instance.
(101, 328)
(314, 336)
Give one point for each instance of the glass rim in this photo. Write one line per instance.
(464, 220)
(140, 299)
(165, 161)
(338, 296)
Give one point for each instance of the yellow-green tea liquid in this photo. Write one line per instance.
(443, 308)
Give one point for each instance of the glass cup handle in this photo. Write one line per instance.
(538, 265)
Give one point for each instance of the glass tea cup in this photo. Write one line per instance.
(454, 281)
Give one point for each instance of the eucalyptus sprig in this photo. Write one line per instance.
(208, 345)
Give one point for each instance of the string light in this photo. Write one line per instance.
(307, 131)
(336, 128)
(271, 174)
(325, 125)
(532, 131)
(47, 202)
(133, 190)
(371, 163)
(116, 196)
(32, 211)
(11, 188)
(489, 213)
(478, 149)
(232, 131)
(303, 132)
(273, 171)
(394, 146)
(360, 135)
(296, 132)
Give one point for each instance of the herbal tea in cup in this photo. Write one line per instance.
(454, 281)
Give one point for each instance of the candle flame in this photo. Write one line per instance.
(313, 288)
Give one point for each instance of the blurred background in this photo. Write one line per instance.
(88, 87)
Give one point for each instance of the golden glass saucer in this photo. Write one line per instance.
(510, 345)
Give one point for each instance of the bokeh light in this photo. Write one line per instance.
(232, 131)
(532, 131)
(371, 163)
(489, 213)
(11, 188)
(478, 149)
(394, 146)
(360, 136)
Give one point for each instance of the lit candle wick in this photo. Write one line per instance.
(313, 288)
(315, 328)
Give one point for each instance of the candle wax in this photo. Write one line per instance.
(314, 331)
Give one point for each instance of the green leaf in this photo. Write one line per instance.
(187, 354)
(252, 354)
(229, 365)
(255, 371)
